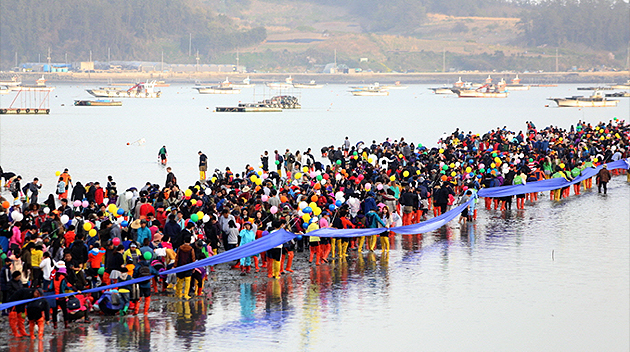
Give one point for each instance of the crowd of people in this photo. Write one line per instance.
(87, 236)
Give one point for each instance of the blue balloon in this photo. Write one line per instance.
(124, 223)
(307, 210)
(304, 225)
(472, 174)
(120, 212)
(299, 237)
(338, 203)
(331, 207)
(489, 147)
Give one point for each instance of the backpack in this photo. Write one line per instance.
(73, 303)
(144, 270)
(114, 298)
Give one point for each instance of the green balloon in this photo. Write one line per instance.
(319, 177)
(3, 256)
(338, 162)
(530, 160)
(101, 270)
(494, 155)
(194, 218)
(355, 153)
(482, 170)
(147, 256)
(443, 172)
(277, 162)
(445, 167)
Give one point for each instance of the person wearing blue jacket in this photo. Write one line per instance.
(143, 232)
(372, 222)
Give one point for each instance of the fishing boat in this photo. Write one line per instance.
(275, 104)
(485, 91)
(446, 89)
(309, 85)
(596, 100)
(225, 87)
(4, 90)
(288, 83)
(98, 102)
(516, 85)
(394, 86)
(618, 95)
(14, 81)
(140, 90)
(40, 86)
(621, 85)
(246, 83)
(369, 92)
(162, 84)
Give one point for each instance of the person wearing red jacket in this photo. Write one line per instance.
(99, 194)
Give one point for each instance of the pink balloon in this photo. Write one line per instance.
(379, 187)
(368, 186)
(465, 188)
(264, 176)
(85, 203)
(274, 209)
(199, 203)
(116, 241)
(238, 226)
(264, 198)
(361, 177)
(77, 203)
(312, 174)
(481, 166)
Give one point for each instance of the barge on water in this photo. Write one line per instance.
(275, 104)
(22, 111)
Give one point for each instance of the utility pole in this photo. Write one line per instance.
(556, 59)
(16, 59)
(162, 69)
(335, 68)
(90, 55)
(189, 43)
(48, 59)
(109, 52)
(197, 58)
(237, 60)
(66, 57)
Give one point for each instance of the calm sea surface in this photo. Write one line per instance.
(553, 277)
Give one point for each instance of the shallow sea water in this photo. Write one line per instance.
(555, 276)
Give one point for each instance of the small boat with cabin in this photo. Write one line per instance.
(288, 83)
(516, 85)
(488, 90)
(224, 87)
(140, 90)
(310, 85)
(246, 83)
(445, 89)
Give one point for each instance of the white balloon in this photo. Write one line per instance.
(46, 210)
(128, 195)
(17, 216)
(303, 205)
(323, 182)
(314, 219)
(338, 177)
(208, 191)
(339, 195)
(64, 219)
(206, 218)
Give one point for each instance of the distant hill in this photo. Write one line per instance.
(303, 35)
(127, 30)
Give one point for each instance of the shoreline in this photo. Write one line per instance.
(325, 78)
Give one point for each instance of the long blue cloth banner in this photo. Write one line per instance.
(279, 237)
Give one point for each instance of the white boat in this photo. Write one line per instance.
(445, 89)
(485, 91)
(217, 90)
(246, 83)
(310, 85)
(369, 92)
(516, 85)
(596, 100)
(4, 90)
(140, 90)
(288, 83)
(616, 86)
(14, 81)
(394, 86)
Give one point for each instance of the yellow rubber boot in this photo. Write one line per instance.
(345, 249)
(385, 243)
(179, 288)
(333, 247)
(361, 241)
(276, 269)
(372, 243)
(187, 287)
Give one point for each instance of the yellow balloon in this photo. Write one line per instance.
(197, 187)
(258, 182)
(595, 160)
(313, 205)
(317, 211)
(497, 159)
(87, 226)
(468, 169)
(406, 173)
(188, 192)
(112, 208)
(370, 160)
(441, 150)
(451, 165)
(253, 178)
(298, 175)
(92, 232)
(417, 172)
(453, 173)
(306, 217)
(392, 178)
(493, 165)
(213, 180)
(259, 173)
(57, 173)
(561, 165)
(617, 135)
(200, 214)
(305, 169)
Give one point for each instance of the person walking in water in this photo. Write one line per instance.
(603, 177)
(203, 166)
(162, 154)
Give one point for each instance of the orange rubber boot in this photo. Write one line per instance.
(290, 255)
